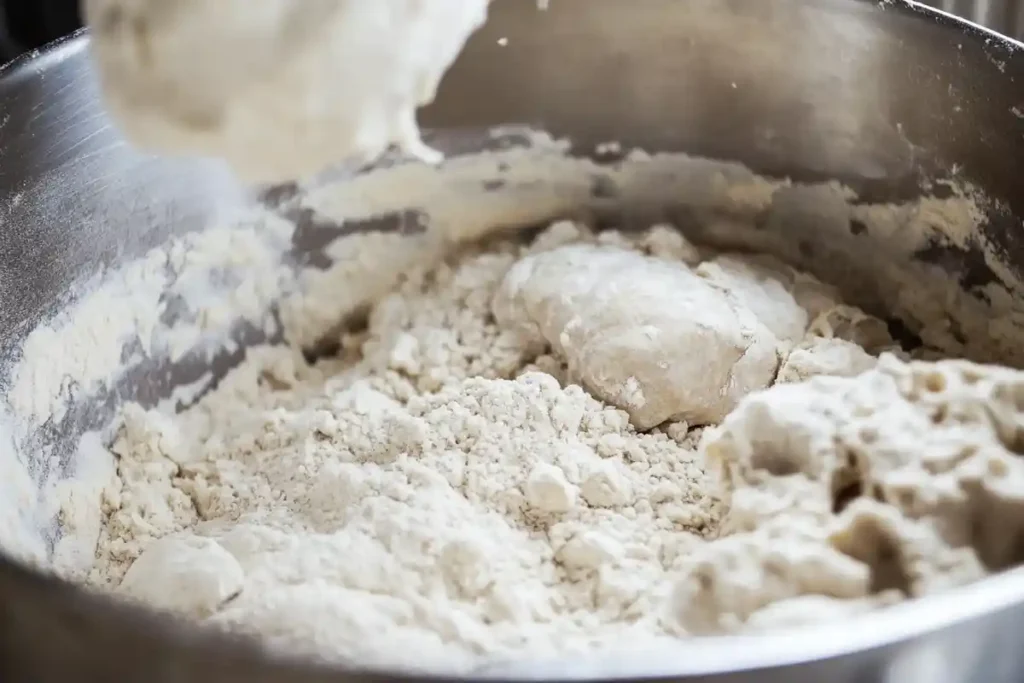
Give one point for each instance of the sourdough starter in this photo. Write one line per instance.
(587, 443)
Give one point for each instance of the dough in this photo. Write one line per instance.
(752, 283)
(823, 356)
(281, 89)
(190, 575)
(648, 335)
(900, 482)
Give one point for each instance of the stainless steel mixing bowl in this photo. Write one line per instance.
(884, 96)
(1005, 16)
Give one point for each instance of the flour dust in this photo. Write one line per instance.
(517, 458)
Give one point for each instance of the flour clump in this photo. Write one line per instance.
(191, 575)
(588, 443)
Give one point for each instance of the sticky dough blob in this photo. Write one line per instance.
(651, 336)
(278, 88)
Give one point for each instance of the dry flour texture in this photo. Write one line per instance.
(520, 456)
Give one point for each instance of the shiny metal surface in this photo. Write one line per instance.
(882, 95)
(1005, 16)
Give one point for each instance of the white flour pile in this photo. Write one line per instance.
(444, 494)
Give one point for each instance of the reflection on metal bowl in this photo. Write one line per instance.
(1005, 16)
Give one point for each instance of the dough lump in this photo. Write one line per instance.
(825, 356)
(191, 575)
(649, 335)
(280, 89)
(853, 492)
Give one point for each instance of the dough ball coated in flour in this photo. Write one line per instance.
(190, 575)
(644, 334)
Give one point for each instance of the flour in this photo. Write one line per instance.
(485, 509)
(477, 500)
(235, 272)
(192, 575)
(279, 89)
(433, 492)
(19, 524)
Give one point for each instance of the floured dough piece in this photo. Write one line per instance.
(190, 575)
(642, 333)
(822, 356)
(822, 337)
(935, 441)
(851, 324)
(811, 609)
(913, 471)
(280, 89)
(760, 288)
(733, 578)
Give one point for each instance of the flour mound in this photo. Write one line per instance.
(501, 465)
(431, 492)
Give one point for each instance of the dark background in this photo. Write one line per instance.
(28, 24)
